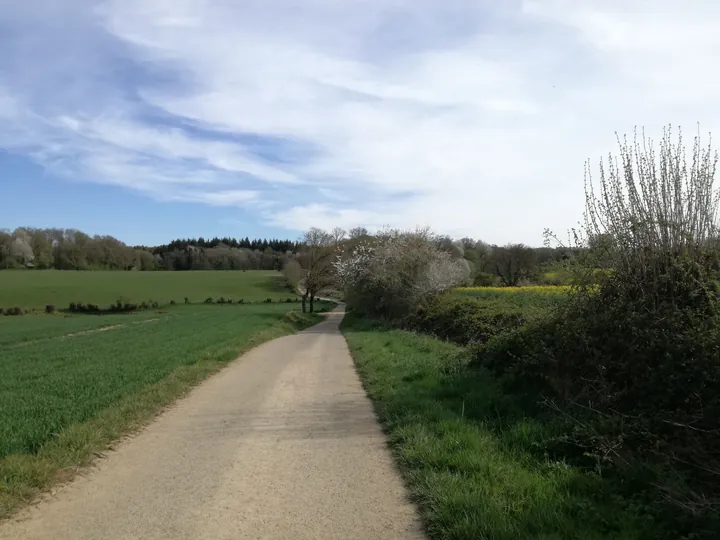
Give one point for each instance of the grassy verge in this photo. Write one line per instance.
(25, 474)
(472, 461)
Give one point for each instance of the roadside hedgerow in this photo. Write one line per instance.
(631, 362)
(465, 320)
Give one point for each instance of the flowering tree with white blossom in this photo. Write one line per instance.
(394, 272)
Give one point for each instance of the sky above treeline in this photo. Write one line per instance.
(157, 119)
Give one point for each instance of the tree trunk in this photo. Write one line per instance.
(312, 302)
(304, 298)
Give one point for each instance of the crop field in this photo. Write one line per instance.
(534, 297)
(52, 377)
(72, 384)
(36, 289)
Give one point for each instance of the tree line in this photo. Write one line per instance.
(70, 249)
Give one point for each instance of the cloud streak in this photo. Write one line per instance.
(471, 117)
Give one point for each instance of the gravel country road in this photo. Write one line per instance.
(281, 444)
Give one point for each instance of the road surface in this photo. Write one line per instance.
(281, 444)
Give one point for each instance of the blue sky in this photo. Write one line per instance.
(156, 119)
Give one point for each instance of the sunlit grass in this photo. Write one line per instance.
(38, 288)
(69, 392)
(469, 455)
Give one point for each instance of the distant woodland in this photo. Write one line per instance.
(69, 249)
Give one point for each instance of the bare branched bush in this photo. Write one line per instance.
(651, 202)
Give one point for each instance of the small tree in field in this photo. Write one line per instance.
(316, 260)
(293, 273)
(512, 263)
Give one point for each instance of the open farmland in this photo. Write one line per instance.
(71, 385)
(36, 289)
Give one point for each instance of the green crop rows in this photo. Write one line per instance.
(36, 289)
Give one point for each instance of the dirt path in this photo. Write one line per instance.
(282, 444)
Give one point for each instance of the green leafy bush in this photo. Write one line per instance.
(635, 370)
(465, 320)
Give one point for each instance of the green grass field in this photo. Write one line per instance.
(72, 384)
(36, 289)
(469, 455)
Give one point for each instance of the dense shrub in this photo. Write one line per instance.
(187, 300)
(638, 374)
(631, 363)
(49, 309)
(465, 320)
(268, 300)
(209, 301)
(14, 311)
(172, 302)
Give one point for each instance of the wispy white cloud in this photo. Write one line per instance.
(474, 117)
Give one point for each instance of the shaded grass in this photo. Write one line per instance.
(37, 288)
(473, 462)
(59, 410)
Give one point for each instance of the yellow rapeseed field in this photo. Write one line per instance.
(532, 289)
